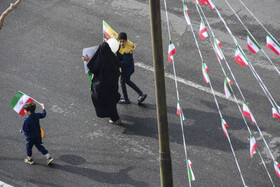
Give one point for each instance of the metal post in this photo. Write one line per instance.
(164, 151)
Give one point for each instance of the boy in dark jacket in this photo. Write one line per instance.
(32, 132)
(126, 63)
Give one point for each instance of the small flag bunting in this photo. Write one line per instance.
(276, 168)
(204, 72)
(19, 100)
(275, 113)
(203, 31)
(227, 88)
(240, 57)
(246, 112)
(253, 146)
(180, 111)
(272, 44)
(225, 125)
(218, 50)
(252, 44)
(186, 14)
(171, 51)
(191, 175)
(209, 2)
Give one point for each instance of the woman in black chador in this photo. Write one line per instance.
(105, 69)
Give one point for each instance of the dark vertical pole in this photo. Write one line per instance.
(164, 151)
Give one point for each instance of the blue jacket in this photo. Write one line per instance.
(31, 126)
(126, 61)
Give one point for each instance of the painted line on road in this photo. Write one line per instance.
(3, 184)
(187, 82)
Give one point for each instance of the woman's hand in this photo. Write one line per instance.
(85, 58)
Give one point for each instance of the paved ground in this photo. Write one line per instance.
(40, 53)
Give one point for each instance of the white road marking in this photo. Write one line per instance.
(188, 83)
(3, 184)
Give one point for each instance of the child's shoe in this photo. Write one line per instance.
(29, 160)
(49, 160)
(124, 101)
(141, 98)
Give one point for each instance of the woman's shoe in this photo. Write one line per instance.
(117, 122)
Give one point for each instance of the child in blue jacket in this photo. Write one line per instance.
(32, 131)
(126, 63)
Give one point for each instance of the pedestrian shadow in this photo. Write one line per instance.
(114, 178)
(201, 128)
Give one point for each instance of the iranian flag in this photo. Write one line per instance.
(240, 57)
(225, 125)
(246, 112)
(276, 168)
(108, 31)
(209, 2)
(275, 113)
(171, 51)
(227, 89)
(196, 2)
(202, 31)
(253, 146)
(180, 111)
(19, 100)
(191, 175)
(252, 44)
(205, 70)
(218, 50)
(272, 44)
(186, 14)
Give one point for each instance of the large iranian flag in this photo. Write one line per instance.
(227, 89)
(19, 100)
(108, 31)
(191, 175)
(240, 57)
(253, 146)
(272, 44)
(246, 112)
(252, 44)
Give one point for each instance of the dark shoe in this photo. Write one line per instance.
(49, 160)
(124, 101)
(29, 161)
(117, 122)
(142, 98)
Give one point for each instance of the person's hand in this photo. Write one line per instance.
(42, 105)
(85, 58)
(20, 131)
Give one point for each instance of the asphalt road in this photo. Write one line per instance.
(40, 53)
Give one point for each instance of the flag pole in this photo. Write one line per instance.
(164, 150)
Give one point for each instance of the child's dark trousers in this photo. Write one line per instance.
(38, 144)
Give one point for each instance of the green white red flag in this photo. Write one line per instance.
(275, 113)
(196, 2)
(225, 125)
(227, 88)
(253, 146)
(180, 111)
(276, 168)
(246, 112)
(186, 14)
(252, 44)
(19, 100)
(272, 44)
(171, 51)
(240, 56)
(218, 50)
(209, 2)
(191, 175)
(205, 71)
(203, 31)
